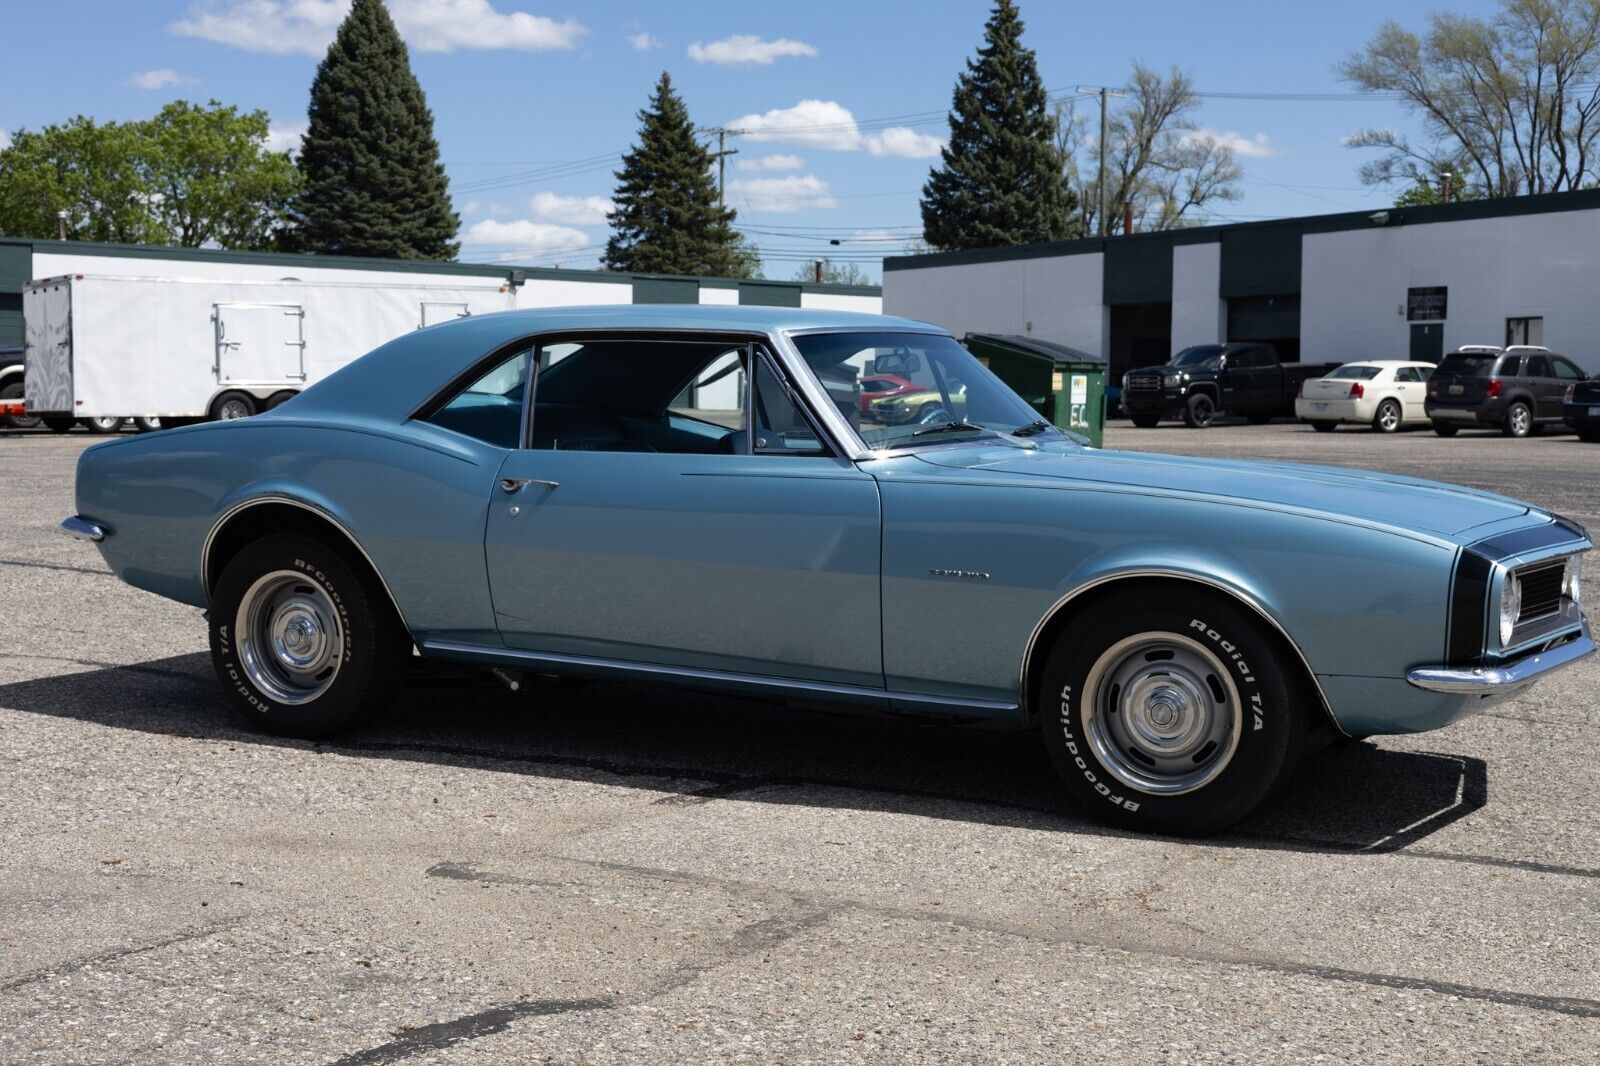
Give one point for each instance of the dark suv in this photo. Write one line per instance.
(1518, 389)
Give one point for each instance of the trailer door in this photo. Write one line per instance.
(260, 344)
(47, 351)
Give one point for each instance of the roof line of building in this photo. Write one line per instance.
(414, 266)
(1464, 210)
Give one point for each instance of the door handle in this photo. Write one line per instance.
(515, 484)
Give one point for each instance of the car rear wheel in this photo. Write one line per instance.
(1589, 436)
(14, 392)
(1200, 411)
(1446, 429)
(931, 414)
(232, 405)
(1324, 426)
(1387, 417)
(1519, 420)
(1173, 714)
(301, 637)
(1145, 421)
(58, 423)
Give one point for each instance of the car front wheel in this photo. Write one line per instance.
(1173, 714)
(1200, 411)
(301, 637)
(1145, 421)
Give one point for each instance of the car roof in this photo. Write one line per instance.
(393, 380)
(1386, 362)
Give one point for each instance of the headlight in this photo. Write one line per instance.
(1510, 607)
(1569, 582)
(1125, 381)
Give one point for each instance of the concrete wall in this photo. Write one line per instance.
(1057, 299)
(1199, 315)
(1355, 281)
(842, 301)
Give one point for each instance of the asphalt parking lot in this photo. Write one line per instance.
(620, 873)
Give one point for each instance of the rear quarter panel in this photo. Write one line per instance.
(414, 500)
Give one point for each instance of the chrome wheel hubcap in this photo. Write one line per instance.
(1161, 713)
(290, 637)
(234, 409)
(1519, 421)
(1388, 418)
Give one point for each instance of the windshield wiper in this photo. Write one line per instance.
(1038, 425)
(947, 427)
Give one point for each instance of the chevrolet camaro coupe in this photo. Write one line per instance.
(677, 494)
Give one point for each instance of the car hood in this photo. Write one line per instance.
(1427, 507)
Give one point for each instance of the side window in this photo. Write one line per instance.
(1510, 367)
(781, 426)
(1566, 371)
(1407, 373)
(1538, 366)
(490, 407)
(716, 394)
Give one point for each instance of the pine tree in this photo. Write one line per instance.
(666, 219)
(1002, 179)
(373, 181)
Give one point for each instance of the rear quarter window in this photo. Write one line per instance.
(1357, 373)
(1467, 366)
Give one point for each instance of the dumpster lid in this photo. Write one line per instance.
(1059, 353)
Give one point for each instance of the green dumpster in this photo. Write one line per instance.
(1065, 385)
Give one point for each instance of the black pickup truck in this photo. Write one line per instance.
(1207, 380)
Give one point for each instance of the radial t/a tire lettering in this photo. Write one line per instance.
(302, 639)
(1170, 709)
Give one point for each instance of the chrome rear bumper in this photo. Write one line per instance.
(1504, 679)
(83, 529)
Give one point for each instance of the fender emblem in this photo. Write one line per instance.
(973, 575)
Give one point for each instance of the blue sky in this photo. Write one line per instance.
(534, 98)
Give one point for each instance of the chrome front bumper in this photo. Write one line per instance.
(83, 529)
(1507, 678)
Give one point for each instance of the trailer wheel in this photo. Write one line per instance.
(58, 423)
(278, 399)
(231, 405)
(103, 423)
(146, 423)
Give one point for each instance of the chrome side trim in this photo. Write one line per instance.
(82, 528)
(256, 501)
(1177, 575)
(758, 683)
(1504, 679)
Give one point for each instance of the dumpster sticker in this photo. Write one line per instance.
(1080, 388)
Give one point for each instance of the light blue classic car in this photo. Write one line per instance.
(695, 496)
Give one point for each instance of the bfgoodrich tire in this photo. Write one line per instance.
(1172, 713)
(302, 638)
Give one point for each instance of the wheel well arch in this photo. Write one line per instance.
(1086, 595)
(8, 374)
(267, 516)
(1210, 388)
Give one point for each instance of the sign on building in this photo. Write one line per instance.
(1428, 304)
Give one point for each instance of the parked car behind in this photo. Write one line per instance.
(1382, 393)
(1205, 380)
(1581, 409)
(1517, 389)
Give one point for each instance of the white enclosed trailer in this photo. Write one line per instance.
(176, 348)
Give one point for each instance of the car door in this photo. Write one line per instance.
(715, 530)
(1411, 387)
(1542, 382)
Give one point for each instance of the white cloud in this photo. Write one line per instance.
(286, 27)
(523, 238)
(905, 142)
(782, 195)
(285, 136)
(470, 207)
(1257, 147)
(771, 162)
(744, 49)
(160, 79)
(818, 123)
(643, 42)
(571, 210)
(5, 138)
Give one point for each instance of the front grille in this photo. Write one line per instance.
(1541, 590)
(1144, 382)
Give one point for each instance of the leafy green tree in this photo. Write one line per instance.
(373, 183)
(1423, 191)
(191, 175)
(1001, 177)
(666, 219)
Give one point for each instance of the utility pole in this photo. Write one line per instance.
(1444, 185)
(721, 156)
(1101, 222)
(61, 225)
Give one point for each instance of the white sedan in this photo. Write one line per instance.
(1382, 393)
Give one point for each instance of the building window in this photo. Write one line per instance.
(1524, 331)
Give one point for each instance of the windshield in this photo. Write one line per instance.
(933, 382)
(1360, 373)
(1208, 356)
(1467, 366)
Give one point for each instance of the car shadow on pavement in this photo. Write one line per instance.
(1353, 797)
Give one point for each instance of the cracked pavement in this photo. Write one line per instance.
(622, 873)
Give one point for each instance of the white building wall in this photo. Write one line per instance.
(841, 301)
(1354, 282)
(1056, 299)
(1199, 315)
(709, 295)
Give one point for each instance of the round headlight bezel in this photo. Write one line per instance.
(1510, 607)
